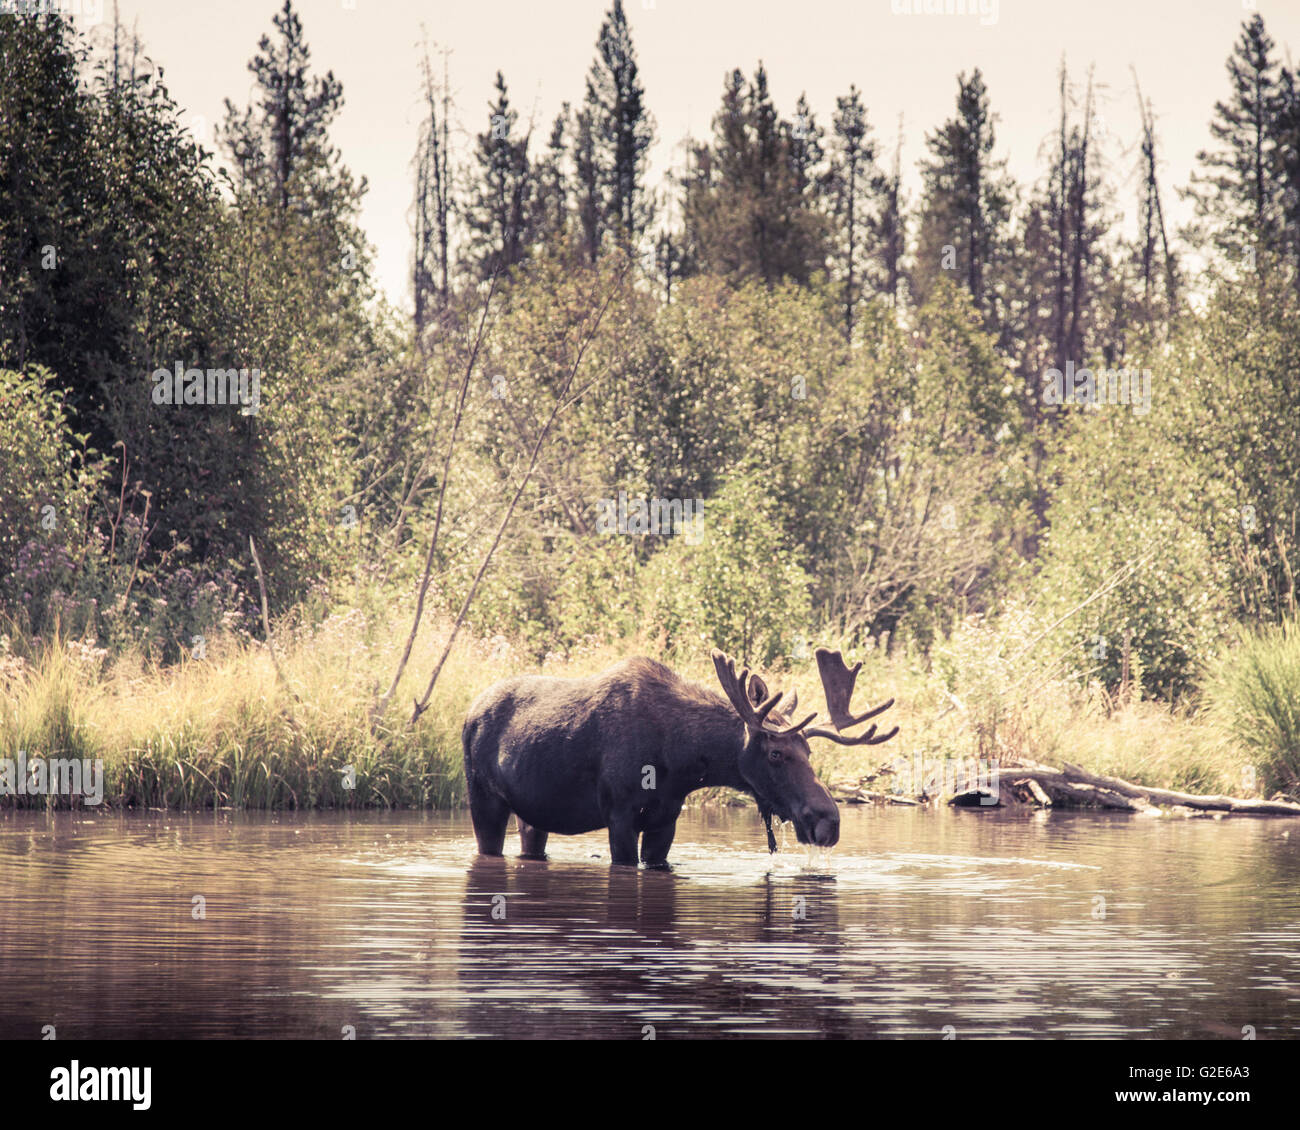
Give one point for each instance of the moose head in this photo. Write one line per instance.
(775, 761)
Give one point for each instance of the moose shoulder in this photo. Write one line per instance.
(623, 749)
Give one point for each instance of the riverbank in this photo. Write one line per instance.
(228, 729)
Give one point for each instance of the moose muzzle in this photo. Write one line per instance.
(819, 824)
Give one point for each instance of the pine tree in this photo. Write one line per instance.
(1159, 281)
(746, 212)
(1287, 166)
(1238, 195)
(807, 152)
(967, 202)
(431, 270)
(622, 131)
(892, 233)
(499, 213)
(551, 204)
(855, 182)
(280, 144)
(587, 177)
(1060, 261)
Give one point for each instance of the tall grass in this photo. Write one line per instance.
(997, 691)
(1254, 695)
(225, 731)
(228, 731)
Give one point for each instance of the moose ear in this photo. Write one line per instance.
(757, 690)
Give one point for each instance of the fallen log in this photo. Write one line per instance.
(848, 793)
(1027, 782)
(1045, 789)
(1189, 800)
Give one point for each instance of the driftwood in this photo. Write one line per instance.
(852, 794)
(1072, 785)
(1029, 783)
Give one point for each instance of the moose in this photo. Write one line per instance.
(622, 750)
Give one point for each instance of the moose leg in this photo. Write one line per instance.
(490, 816)
(661, 826)
(532, 841)
(655, 844)
(622, 839)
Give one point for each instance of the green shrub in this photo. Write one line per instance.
(740, 588)
(48, 478)
(1254, 692)
(1129, 556)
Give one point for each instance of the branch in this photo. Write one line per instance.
(422, 704)
(382, 705)
(266, 616)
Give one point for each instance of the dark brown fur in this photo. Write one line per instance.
(622, 750)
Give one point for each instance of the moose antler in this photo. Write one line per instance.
(837, 681)
(755, 717)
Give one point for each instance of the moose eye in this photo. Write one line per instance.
(774, 755)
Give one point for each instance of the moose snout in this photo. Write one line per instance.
(820, 825)
(827, 831)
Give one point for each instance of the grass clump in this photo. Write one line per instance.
(1253, 692)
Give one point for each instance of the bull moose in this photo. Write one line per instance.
(621, 750)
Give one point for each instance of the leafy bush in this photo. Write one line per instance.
(921, 469)
(48, 478)
(1234, 411)
(1129, 556)
(740, 588)
(997, 674)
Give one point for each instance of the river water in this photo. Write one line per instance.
(920, 924)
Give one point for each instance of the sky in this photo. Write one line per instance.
(903, 63)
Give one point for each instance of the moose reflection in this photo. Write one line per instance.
(623, 749)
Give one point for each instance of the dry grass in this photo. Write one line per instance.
(225, 731)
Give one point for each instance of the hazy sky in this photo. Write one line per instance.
(903, 64)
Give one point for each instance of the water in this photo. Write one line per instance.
(988, 923)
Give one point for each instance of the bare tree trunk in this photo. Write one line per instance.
(1078, 221)
(853, 244)
(432, 206)
(266, 615)
(1062, 233)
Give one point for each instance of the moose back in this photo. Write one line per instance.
(623, 749)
